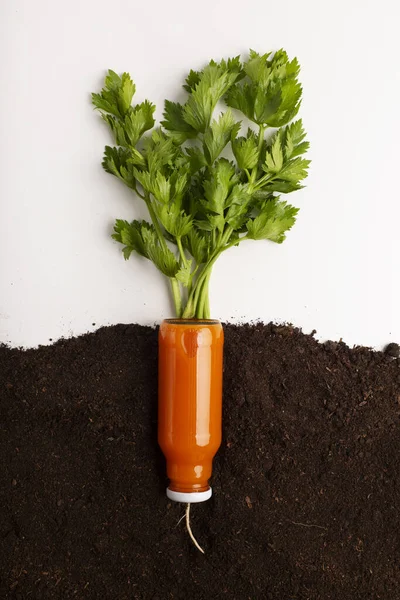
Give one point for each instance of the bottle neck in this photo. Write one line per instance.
(189, 478)
(188, 488)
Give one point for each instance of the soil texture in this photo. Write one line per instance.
(306, 502)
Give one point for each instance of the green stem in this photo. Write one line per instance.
(155, 222)
(265, 179)
(203, 305)
(227, 234)
(176, 294)
(191, 279)
(207, 314)
(254, 170)
(199, 308)
(181, 251)
(191, 308)
(137, 192)
(193, 300)
(261, 137)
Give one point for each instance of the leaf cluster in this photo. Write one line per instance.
(207, 185)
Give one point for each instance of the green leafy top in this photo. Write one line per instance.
(207, 185)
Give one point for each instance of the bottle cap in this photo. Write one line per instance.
(189, 497)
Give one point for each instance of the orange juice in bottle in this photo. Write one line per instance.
(190, 404)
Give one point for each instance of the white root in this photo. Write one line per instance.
(195, 542)
(180, 520)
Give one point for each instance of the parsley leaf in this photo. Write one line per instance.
(163, 258)
(197, 160)
(246, 150)
(174, 220)
(192, 80)
(184, 274)
(214, 82)
(274, 157)
(270, 94)
(239, 206)
(218, 135)
(294, 136)
(198, 244)
(275, 218)
(116, 96)
(282, 158)
(137, 120)
(130, 234)
(174, 122)
(114, 160)
(217, 189)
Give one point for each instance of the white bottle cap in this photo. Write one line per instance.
(189, 497)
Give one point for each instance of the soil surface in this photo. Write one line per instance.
(306, 484)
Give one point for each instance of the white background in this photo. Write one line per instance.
(59, 270)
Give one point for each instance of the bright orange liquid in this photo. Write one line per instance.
(190, 400)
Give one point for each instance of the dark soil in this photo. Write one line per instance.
(306, 484)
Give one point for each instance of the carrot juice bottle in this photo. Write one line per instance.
(190, 404)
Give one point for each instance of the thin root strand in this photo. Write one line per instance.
(195, 542)
(180, 520)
